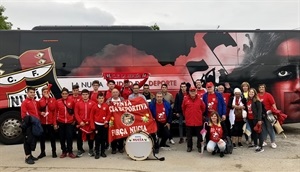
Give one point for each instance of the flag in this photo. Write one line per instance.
(128, 117)
(123, 75)
(213, 40)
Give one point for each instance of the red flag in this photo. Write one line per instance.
(125, 75)
(128, 117)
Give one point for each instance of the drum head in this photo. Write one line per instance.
(139, 146)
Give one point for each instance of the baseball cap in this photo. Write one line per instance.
(209, 84)
(126, 80)
(193, 89)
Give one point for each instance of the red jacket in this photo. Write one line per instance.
(75, 99)
(94, 95)
(62, 114)
(50, 105)
(193, 110)
(107, 94)
(83, 110)
(99, 114)
(30, 107)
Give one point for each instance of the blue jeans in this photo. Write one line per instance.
(268, 129)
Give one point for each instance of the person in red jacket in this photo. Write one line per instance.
(29, 107)
(99, 122)
(95, 92)
(193, 108)
(82, 115)
(127, 89)
(65, 121)
(48, 119)
(111, 85)
(75, 93)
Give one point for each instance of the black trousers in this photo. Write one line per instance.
(66, 134)
(48, 131)
(255, 135)
(100, 138)
(29, 142)
(163, 132)
(193, 130)
(118, 144)
(80, 142)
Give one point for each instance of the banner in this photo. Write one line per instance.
(125, 75)
(128, 117)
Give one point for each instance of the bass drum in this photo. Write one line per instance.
(138, 146)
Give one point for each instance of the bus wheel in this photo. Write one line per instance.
(10, 128)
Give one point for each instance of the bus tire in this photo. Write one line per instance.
(10, 128)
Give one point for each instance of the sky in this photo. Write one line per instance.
(168, 14)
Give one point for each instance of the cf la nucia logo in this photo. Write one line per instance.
(127, 119)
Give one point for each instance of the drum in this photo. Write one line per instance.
(138, 146)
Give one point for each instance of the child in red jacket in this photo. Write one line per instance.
(99, 122)
(82, 114)
(65, 120)
(47, 106)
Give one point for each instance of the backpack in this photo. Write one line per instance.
(229, 145)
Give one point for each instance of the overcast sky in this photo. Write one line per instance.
(168, 14)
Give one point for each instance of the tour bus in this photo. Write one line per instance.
(64, 56)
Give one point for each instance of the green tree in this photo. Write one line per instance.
(155, 27)
(4, 25)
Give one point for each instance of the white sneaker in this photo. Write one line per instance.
(273, 145)
(264, 144)
(172, 142)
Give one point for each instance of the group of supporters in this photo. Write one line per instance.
(87, 113)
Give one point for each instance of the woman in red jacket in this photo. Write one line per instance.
(216, 133)
(65, 121)
(47, 106)
(193, 108)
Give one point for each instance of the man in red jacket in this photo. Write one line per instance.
(75, 94)
(99, 122)
(29, 107)
(193, 108)
(82, 115)
(65, 121)
(95, 92)
(48, 119)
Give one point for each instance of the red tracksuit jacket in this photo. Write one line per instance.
(62, 114)
(83, 110)
(99, 114)
(50, 105)
(30, 107)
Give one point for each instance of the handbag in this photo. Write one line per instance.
(257, 128)
(69, 110)
(270, 117)
(238, 113)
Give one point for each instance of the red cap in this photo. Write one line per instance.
(193, 89)
(126, 80)
(209, 84)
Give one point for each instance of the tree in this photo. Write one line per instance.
(4, 25)
(155, 27)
